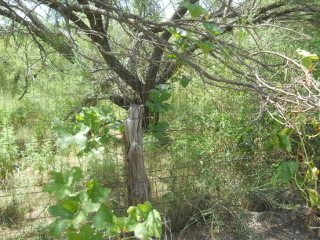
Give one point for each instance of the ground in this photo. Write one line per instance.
(267, 225)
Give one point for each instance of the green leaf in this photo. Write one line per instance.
(53, 186)
(58, 226)
(61, 130)
(212, 28)
(307, 58)
(284, 171)
(96, 193)
(172, 56)
(104, 218)
(144, 209)
(174, 32)
(132, 221)
(79, 219)
(91, 119)
(113, 230)
(157, 96)
(105, 111)
(152, 225)
(86, 233)
(61, 190)
(73, 175)
(72, 135)
(64, 209)
(284, 139)
(184, 81)
(195, 9)
(183, 43)
(122, 222)
(89, 207)
(205, 46)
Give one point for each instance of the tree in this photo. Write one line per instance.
(137, 47)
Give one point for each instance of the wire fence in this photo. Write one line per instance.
(188, 168)
(29, 152)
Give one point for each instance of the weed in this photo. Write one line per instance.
(11, 215)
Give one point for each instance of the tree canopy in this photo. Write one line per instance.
(131, 46)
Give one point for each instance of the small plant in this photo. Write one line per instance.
(8, 150)
(85, 215)
(303, 170)
(11, 214)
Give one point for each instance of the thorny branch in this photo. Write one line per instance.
(132, 70)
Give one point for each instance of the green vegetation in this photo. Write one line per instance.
(231, 121)
(75, 208)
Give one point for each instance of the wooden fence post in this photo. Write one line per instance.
(137, 181)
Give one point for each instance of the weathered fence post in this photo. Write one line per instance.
(137, 181)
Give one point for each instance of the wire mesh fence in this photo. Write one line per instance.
(189, 168)
(29, 151)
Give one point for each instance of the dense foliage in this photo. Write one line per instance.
(230, 91)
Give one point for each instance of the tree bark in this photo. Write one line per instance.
(138, 185)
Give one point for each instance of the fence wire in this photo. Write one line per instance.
(184, 176)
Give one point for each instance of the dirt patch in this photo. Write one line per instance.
(268, 225)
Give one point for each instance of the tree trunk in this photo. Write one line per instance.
(137, 181)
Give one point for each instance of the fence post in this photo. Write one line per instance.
(138, 185)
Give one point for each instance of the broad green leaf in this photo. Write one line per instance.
(205, 46)
(133, 220)
(284, 171)
(154, 223)
(213, 29)
(58, 226)
(53, 186)
(64, 209)
(58, 186)
(158, 128)
(144, 209)
(151, 227)
(89, 207)
(122, 222)
(59, 211)
(184, 81)
(73, 135)
(96, 193)
(284, 139)
(62, 192)
(157, 96)
(307, 58)
(111, 118)
(91, 119)
(62, 130)
(304, 54)
(103, 218)
(162, 108)
(142, 232)
(105, 111)
(79, 219)
(113, 229)
(73, 175)
(195, 9)
(86, 233)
